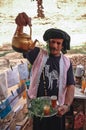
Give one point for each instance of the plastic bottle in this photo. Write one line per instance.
(83, 84)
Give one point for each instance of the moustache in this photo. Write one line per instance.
(53, 49)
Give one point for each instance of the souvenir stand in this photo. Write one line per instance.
(14, 81)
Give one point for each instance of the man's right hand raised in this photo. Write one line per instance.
(23, 19)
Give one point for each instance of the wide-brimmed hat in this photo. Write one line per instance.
(57, 33)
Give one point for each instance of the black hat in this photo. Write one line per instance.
(57, 33)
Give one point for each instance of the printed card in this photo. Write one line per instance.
(3, 86)
(13, 99)
(23, 71)
(12, 76)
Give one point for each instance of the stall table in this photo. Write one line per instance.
(81, 96)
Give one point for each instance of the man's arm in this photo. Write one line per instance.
(68, 100)
(69, 95)
(32, 55)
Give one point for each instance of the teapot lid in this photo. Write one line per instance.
(80, 66)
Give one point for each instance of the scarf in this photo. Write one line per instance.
(37, 69)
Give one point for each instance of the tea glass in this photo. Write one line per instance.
(54, 101)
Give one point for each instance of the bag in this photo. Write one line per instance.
(79, 120)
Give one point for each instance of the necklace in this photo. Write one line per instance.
(45, 90)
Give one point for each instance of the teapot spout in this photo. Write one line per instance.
(35, 42)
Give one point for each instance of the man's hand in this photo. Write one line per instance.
(23, 19)
(63, 109)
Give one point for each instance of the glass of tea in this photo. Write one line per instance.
(83, 85)
(54, 101)
(46, 110)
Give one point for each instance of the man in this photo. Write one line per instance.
(52, 74)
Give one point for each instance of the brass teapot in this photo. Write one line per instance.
(22, 42)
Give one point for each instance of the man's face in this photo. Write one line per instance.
(55, 46)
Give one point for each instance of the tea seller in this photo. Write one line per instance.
(52, 74)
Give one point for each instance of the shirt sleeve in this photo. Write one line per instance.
(31, 55)
(70, 76)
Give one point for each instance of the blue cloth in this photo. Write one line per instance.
(5, 108)
(27, 84)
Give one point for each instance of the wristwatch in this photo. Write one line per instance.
(67, 106)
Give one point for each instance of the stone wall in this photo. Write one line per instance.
(77, 59)
(15, 57)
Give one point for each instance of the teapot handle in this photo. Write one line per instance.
(30, 31)
(19, 30)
